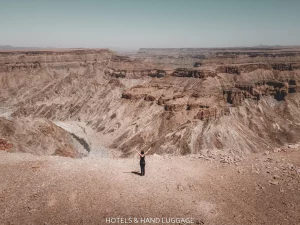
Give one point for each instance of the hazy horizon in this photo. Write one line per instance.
(136, 24)
(138, 48)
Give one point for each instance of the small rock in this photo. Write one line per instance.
(293, 146)
(266, 153)
(276, 150)
(290, 166)
(268, 160)
(276, 177)
(200, 222)
(274, 182)
(156, 155)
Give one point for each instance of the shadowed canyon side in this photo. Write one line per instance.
(224, 102)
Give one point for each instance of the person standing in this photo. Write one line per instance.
(142, 161)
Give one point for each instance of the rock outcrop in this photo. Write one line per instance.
(5, 145)
(229, 69)
(278, 89)
(282, 67)
(135, 74)
(182, 72)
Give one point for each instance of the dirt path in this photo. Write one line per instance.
(263, 189)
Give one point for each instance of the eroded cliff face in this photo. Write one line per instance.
(127, 103)
(29, 72)
(135, 74)
(40, 137)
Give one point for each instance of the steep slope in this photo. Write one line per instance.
(40, 137)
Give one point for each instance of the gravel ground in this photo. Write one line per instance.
(261, 189)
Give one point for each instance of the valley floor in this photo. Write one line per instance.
(262, 189)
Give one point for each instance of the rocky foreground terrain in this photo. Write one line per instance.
(222, 127)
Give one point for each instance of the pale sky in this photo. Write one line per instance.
(149, 23)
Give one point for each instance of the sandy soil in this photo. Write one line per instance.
(262, 189)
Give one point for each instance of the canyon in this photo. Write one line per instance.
(201, 110)
(245, 100)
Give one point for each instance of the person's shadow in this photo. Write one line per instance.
(134, 172)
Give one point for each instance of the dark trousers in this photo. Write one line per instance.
(142, 169)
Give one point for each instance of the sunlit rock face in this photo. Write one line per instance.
(156, 99)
